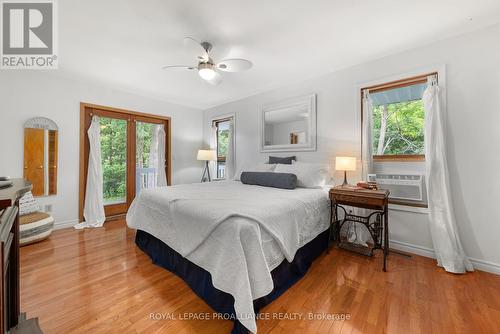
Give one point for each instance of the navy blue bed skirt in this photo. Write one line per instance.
(200, 280)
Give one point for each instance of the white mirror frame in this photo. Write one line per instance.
(310, 102)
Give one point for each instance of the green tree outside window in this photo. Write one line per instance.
(398, 128)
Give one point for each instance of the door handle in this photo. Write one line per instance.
(40, 167)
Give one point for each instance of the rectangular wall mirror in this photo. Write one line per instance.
(289, 125)
(40, 155)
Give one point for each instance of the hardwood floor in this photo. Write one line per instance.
(98, 281)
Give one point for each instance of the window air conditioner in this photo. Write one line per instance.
(404, 187)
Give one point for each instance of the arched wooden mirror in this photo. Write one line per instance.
(40, 155)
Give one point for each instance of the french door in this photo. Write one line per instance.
(129, 157)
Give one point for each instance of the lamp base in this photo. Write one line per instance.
(345, 184)
(206, 171)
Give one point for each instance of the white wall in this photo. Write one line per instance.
(473, 86)
(35, 93)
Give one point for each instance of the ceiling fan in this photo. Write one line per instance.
(207, 68)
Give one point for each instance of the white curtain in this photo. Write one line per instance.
(161, 139)
(360, 234)
(212, 165)
(445, 238)
(356, 232)
(156, 159)
(93, 210)
(230, 152)
(367, 148)
(153, 157)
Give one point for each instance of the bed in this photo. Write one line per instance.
(237, 246)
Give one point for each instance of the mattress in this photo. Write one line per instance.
(315, 199)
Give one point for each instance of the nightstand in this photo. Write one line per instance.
(377, 222)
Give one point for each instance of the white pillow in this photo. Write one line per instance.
(261, 167)
(309, 175)
(28, 204)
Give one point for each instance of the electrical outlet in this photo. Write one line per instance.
(48, 208)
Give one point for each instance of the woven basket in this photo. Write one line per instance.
(35, 227)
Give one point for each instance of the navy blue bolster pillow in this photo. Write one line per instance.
(270, 179)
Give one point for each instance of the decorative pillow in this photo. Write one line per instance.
(270, 179)
(28, 204)
(309, 175)
(281, 160)
(35, 227)
(256, 168)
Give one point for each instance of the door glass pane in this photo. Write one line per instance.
(146, 156)
(114, 159)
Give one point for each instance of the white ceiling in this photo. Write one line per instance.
(125, 42)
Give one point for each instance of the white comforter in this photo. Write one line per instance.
(237, 232)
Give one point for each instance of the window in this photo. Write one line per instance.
(222, 142)
(398, 120)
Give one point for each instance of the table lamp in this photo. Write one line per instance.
(345, 164)
(206, 155)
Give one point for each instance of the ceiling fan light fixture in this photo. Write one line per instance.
(206, 71)
(209, 70)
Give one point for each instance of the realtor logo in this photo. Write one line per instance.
(28, 34)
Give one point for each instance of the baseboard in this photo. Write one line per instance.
(411, 248)
(487, 266)
(65, 224)
(72, 223)
(482, 265)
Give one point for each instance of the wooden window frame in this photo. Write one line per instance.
(387, 86)
(87, 110)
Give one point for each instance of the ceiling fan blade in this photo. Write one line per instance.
(234, 65)
(216, 80)
(194, 44)
(185, 67)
